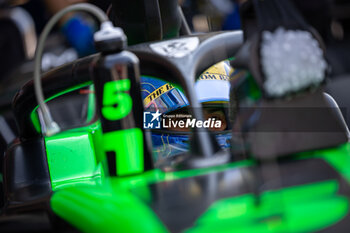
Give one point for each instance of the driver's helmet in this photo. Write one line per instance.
(212, 89)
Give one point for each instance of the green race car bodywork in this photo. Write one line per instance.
(91, 201)
(303, 192)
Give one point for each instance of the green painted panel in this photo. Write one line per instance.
(300, 209)
(71, 159)
(339, 158)
(100, 209)
(128, 147)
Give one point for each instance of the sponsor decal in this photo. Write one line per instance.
(158, 92)
(208, 76)
(176, 48)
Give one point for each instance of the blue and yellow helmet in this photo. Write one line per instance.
(212, 87)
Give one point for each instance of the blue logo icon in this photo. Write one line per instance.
(151, 120)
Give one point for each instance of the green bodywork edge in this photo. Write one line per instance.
(91, 109)
(34, 116)
(337, 157)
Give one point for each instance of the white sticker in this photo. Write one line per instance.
(176, 48)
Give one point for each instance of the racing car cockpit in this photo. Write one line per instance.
(125, 155)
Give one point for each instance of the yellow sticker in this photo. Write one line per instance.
(218, 68)
(219, 71)
(158, 92)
